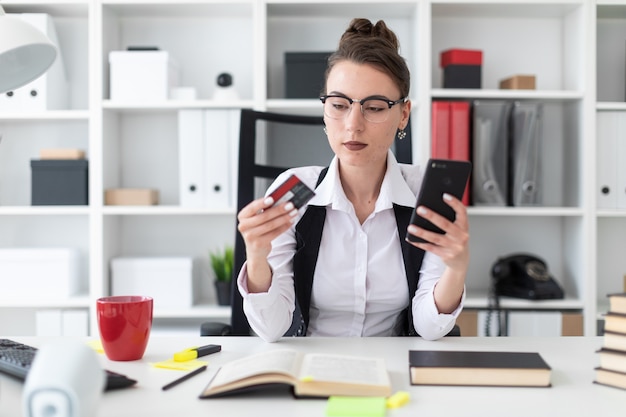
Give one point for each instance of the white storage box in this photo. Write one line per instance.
(41, 273)
(140, 76)
(168, 280)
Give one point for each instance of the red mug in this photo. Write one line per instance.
(124, 322)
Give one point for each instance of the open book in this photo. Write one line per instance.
(310, 374)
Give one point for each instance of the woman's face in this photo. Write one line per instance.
(355, 140)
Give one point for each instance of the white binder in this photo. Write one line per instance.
(208, 149)
(607, 135)
(49, 91)
(620, 156)
(221, 132)
(192, 178)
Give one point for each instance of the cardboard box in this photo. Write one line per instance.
(39, 273)
(461, 57)
(518, 82)
(61, 153)
(131, 197)
(142, 76)
(169, 280)
(304, 73)
(59, 182)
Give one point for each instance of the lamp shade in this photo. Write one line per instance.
(25, 52)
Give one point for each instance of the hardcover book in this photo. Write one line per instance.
(615, 340)
(439, 367)
(610, 378)
(310, 375)
(612, 360)
(615, 322)
(617, 302)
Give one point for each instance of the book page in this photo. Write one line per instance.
(345, 369)
(276, 361)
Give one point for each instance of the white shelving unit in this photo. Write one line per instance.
(574, 47)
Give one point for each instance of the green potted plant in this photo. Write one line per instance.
(222, 264)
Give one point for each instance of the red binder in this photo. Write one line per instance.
(450, 135)
(459, 136)
(440, 134)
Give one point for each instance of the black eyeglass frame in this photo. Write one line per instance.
(390, 103)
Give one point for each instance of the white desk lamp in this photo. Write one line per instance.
(25, 52)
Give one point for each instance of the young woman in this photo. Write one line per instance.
(340, 266)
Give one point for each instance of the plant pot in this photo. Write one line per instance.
(223, 288)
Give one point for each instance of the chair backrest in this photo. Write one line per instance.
(251, 170)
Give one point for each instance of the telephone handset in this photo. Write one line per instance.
(524, 276)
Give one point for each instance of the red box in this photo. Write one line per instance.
(461, 57)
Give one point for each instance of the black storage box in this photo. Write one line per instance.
(304, 73)
(462, 76)
(59, 182)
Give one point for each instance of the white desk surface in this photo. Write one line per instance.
(572, 359)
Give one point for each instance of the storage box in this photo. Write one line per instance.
(59, 182)
(304, 73)
(39, 273)
(169, 280)
(518, 82)
(140, 76)
(131, 197)
(462, 68)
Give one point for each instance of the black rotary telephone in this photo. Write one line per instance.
(520, 276)
(524, 276)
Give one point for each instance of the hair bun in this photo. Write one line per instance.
(360, 28)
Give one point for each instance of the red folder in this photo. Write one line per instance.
(459, 136)
(450, 135)
(440, 130)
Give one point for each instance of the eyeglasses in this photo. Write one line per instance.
(375, 109)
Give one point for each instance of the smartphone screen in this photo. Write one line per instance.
(441, 176)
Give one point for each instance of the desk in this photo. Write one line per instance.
(572, 359)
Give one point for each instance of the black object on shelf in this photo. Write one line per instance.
(304, 73)
(462, 76)
(59, 182)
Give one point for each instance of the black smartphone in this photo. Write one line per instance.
(441, 176)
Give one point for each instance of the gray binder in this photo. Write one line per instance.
(526, 138)
(490, 152)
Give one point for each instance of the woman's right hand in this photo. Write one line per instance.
(260, 223)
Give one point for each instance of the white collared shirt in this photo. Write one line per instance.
(360, 284)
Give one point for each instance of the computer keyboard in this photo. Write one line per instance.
(16, 359)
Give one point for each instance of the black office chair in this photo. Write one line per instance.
(250, 171)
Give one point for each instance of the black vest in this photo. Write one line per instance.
(308, 237)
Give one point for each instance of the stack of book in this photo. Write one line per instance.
(612, 369)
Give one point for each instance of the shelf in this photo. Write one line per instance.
(477, 301)
(164, 210)
(525, 211)
(50, 115)
(42, 302)
(175, 105)
(539, 95)
(196, 312)
(43, 210)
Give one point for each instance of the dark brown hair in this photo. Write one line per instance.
(376, 45)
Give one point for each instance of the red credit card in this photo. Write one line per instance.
(292, 190)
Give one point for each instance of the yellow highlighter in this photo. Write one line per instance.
(196, 352)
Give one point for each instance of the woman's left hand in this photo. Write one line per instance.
(453, 245)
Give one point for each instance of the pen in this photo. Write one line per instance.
(196, 352)
(184, 377)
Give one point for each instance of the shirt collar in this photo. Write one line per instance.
(394, 189)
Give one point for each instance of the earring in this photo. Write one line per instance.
(325, 131)
(401, 134)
